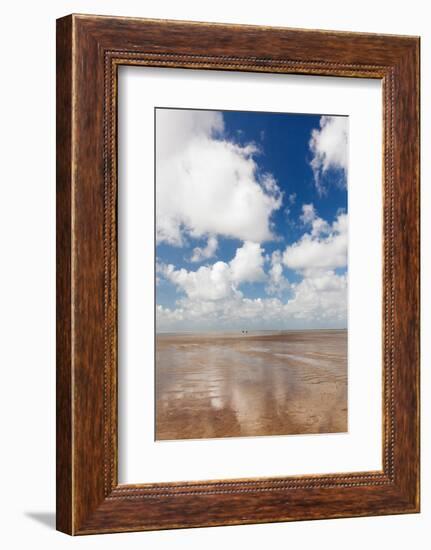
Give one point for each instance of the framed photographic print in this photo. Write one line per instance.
(237, 274)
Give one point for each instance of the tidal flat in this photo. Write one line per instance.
(213, 385)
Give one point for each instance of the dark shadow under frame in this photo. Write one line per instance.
(90, 49)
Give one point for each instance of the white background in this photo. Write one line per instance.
(27, 232)
(141, 458)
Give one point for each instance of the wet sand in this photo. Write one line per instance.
(268, 383)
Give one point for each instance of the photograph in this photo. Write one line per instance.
(251, 273)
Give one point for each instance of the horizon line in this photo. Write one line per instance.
(246, 331)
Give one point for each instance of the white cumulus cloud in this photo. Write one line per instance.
(219, 280)
(247, 265)
(207, 283)
(329, 146)
(309, 217)
(201, 254)
(320, 296)
(318, 301)
(277, 282)
(208, 185)
(325, 247)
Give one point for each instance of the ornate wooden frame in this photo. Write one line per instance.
(89, 51)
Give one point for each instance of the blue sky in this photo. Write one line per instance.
(251, 220)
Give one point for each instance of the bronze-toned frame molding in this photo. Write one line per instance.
(89, 51)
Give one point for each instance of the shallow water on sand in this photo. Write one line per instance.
(263, 383)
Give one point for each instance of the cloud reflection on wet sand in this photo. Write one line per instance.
(232, 385)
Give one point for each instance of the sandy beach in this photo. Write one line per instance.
(234, 384)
